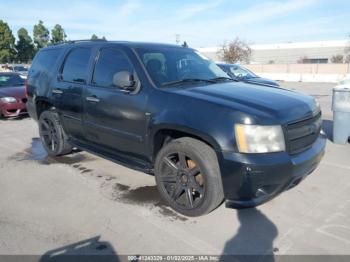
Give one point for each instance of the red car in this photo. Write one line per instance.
(12, 95)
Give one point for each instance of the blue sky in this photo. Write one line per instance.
(201, 23)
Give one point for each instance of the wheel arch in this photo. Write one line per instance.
(42, 104)
(163, 134)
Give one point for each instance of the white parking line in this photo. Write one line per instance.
(335, 165)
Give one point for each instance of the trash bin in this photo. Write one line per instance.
(341, 114)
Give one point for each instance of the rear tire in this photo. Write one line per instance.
(52, 134)
(188, 177)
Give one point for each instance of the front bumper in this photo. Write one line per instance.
(13, 109)
(252, 179)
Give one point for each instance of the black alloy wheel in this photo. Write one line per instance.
(52, 135)
(182, 179)
(188, 176)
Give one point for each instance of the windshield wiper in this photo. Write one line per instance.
(188, 80)
(223, 78)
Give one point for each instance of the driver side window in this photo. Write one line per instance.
(109, 63)
(156, 67)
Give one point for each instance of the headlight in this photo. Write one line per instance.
(259, 139)
(8, 99)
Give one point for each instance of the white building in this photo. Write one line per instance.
(290, 53)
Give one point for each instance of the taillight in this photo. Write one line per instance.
(26, 83)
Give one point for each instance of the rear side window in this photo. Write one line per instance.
(110, 62)
(76, 65)
(45, 60)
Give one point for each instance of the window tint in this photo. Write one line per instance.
(166, 65)
(20, 68)
(45, 60)
(110, 62)
(76, 65)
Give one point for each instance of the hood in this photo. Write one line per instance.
(262, 103)
(13, 91)
(261, 81)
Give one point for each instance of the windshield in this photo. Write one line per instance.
(241, 72)
(10, 80)
(170, 65)
(20, 68)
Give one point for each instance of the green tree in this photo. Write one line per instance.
(24, 46)
(58, 34)
(7, 43)
(95, 37)
(41, 35)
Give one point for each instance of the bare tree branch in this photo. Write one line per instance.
(235, 51)
(337, 59)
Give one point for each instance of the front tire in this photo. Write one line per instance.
(52, 135)
(188, 176)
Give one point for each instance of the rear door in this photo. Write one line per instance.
(41, 75)
(68, 89)
(114, 119)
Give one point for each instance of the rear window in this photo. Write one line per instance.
(45, 60)
(76, 65)
(20, 68)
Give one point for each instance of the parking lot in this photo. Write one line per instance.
(50, 204)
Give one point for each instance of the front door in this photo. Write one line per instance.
(113, 118)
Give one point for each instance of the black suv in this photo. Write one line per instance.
(169, 111)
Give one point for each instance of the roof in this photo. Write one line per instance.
(226, 64)
(124, 43)
(9, 73)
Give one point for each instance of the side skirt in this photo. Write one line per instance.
(116, 157)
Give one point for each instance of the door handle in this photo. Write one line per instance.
(92, 99)
(57, 91)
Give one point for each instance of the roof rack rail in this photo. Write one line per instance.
(79, 40)
(88, 40)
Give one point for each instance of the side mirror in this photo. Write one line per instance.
(124, 80)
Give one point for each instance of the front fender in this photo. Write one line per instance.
(185, 129)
